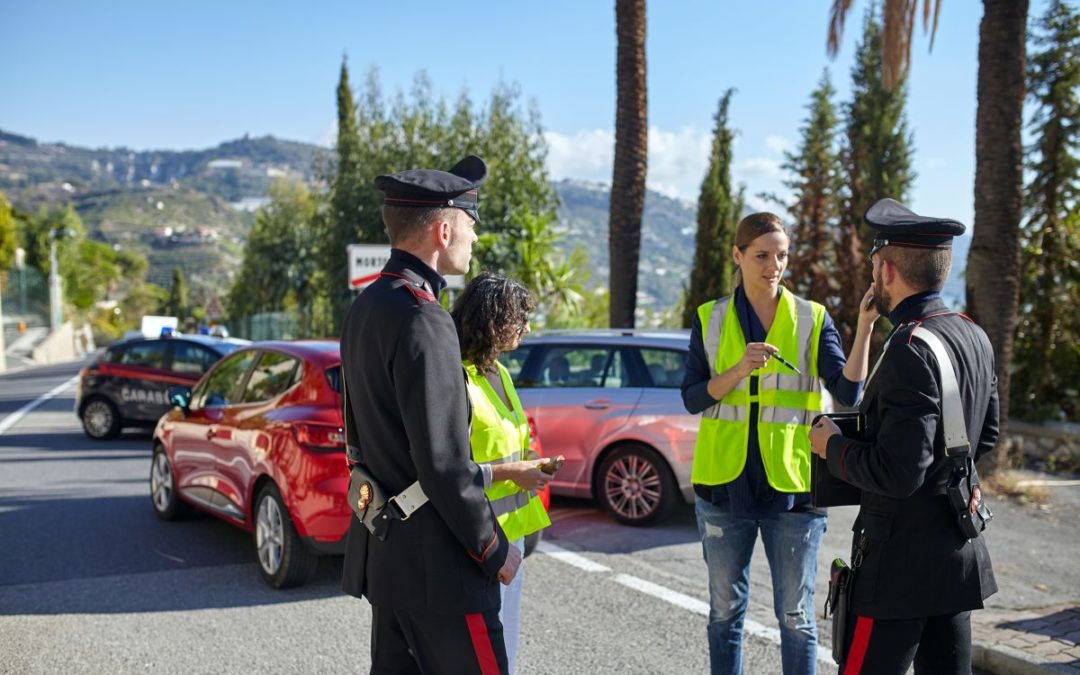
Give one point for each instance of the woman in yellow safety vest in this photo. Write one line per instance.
(491, 316)
(751, 469)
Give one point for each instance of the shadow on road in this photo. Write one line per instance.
(587, 527)
(67, 441)
(113, 555)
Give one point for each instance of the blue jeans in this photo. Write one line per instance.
(510, 612)
(791, 545)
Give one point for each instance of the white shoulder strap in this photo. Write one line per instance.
(952, 409)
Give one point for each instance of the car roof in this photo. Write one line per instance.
(208, 340)
(324, 353)
(606, 336)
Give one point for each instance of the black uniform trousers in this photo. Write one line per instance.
(421, 643)
(936, 644)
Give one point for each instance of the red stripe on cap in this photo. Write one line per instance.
(859, 644)
(398, 200)
(908, 244)
(481, 642)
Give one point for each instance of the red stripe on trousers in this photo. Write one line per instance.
(481, 643)
(859, 643)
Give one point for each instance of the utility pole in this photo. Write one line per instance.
(3, 347)
(55, 309)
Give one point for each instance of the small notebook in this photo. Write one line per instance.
(825, 488)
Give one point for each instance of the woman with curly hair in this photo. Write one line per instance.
(491, 316)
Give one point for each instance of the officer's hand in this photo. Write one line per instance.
(527, 475)
(756, 356)
(976, 499)
(868, 312)
(820, 434)
(510, 567)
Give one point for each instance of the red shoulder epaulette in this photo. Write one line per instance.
(419, 293)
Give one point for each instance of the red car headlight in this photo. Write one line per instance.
(319, 437)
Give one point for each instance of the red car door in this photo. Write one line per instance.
(195, 448)
(243, 438)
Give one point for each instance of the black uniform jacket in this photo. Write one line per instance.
(917, 562)
(406, 392)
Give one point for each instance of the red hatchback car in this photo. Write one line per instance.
(258, 443)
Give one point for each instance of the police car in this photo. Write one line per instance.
(128, 385)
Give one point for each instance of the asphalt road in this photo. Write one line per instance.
(91, 581)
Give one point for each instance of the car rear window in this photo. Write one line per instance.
(514, 361)
(150, 354)
(666, 367)
(583, 367)
(190, 358)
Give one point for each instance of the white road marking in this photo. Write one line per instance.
(13, 419)
(669, 596)
(578, 561)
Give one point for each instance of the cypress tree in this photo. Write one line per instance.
(718, 213)
(816, 185)
(343, 224)
(177, 304)
(877, 163)
(1047, 363)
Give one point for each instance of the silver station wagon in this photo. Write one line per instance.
(609, 401)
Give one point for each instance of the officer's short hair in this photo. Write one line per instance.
(405, 224)
(924, 269)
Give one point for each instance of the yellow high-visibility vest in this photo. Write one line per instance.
(501, 435)
(787, 402)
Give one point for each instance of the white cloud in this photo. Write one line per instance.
(756, 167)
(777, 143)
(677, 159)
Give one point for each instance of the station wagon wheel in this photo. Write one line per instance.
(284, 559)
(635, 485)
(100, 419)
(167, 504)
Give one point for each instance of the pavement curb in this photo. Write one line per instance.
(1003, 660)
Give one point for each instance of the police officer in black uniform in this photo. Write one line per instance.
(433, 581)
(919, 574)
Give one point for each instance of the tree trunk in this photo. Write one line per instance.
(631, 158)
(993, 266)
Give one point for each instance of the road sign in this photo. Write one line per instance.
(367, 260)
(213, 309)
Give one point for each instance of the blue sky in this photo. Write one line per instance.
(193, 74)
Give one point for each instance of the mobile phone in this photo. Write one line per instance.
(552, 464)
(869, 303)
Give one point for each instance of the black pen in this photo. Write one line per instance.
(784, 361)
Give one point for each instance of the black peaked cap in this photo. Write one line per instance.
(427, 188)
(896, 225)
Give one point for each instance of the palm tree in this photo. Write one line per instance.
(993, 266)
(631, 161)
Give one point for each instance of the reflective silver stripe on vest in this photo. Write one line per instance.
(790, 382)
(713, 330)
(509, 503)
(728, 413)
(805, 328)
(776, 415)
(512, 457)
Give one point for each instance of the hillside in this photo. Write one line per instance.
(192, 208)
(667, 239)
(232, 170)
